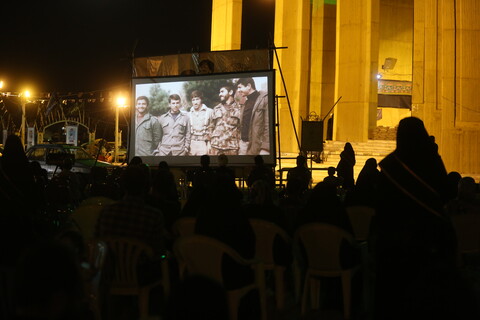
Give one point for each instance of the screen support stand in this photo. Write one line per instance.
(277, 127)
(274, 48)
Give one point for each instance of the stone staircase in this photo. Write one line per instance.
(377, 149)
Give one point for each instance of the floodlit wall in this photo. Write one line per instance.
(446, 78)
(440, 57)
(356, 69)
(226, 25)
(292, 30)
(322, 59)
(396, 39)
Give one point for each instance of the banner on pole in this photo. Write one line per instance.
(72, 133)
(30, 137)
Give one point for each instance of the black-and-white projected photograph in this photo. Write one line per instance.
(183, 118)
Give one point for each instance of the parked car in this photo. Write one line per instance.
(122, 151)
(50, 156)
(107, 146)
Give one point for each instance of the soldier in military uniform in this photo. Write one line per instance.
(175, 125)
(225, 124)
(255, 129)
(200, 117)
(147, 129)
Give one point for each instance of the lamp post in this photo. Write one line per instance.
(4, 135)
(25, 96)
(120, 104)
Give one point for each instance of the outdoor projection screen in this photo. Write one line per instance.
(250, 118)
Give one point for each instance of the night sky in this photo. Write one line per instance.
(87, 45)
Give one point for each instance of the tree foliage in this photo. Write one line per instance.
(209, 89)
(158, 100)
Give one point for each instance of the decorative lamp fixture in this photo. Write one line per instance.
(389, 63)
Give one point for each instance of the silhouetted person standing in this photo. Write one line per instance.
(413, 241)
(345, 166)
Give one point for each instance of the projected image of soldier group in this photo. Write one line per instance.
(236, 122)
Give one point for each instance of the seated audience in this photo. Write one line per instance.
(324, 206)
(466, 201)
(224, 174)
(300, 173)
(100, 185)
(135, 161)
(221, 217)
(72, 180)
(261, 172)
(261, 206)
(49, 284)
(132, 217)
(453, 178)
(204, 176)
(17, 169)
(198, 297)
(332, 179)
(292, 202)
(164, 195)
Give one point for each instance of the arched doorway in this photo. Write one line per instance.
(56, 132)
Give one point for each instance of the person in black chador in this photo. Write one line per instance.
(412, 241)
(345, 166)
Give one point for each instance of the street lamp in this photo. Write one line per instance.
(25, 97)
(121, 103)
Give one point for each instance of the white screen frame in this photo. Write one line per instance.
(142, 85)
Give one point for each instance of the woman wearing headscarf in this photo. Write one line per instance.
(345, 166)
(412, 239)
(366, 186)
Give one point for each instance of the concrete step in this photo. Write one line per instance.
(377, 149)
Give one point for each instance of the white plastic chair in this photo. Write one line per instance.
(198, 254)
(184, 226)
(360, 217)
(322, 243)
(265, 234)
(125, 254)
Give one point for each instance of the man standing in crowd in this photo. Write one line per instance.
(200, 116)
(175, 130)
(254, 131)
(148, 132)
(225, 124)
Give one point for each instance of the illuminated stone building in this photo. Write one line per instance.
(429, 48)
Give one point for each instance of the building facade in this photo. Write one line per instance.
(344, 48)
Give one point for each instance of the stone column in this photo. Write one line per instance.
(292, 30)
(356, 68)
(322, 59)
(226, 25)
(446, 77)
